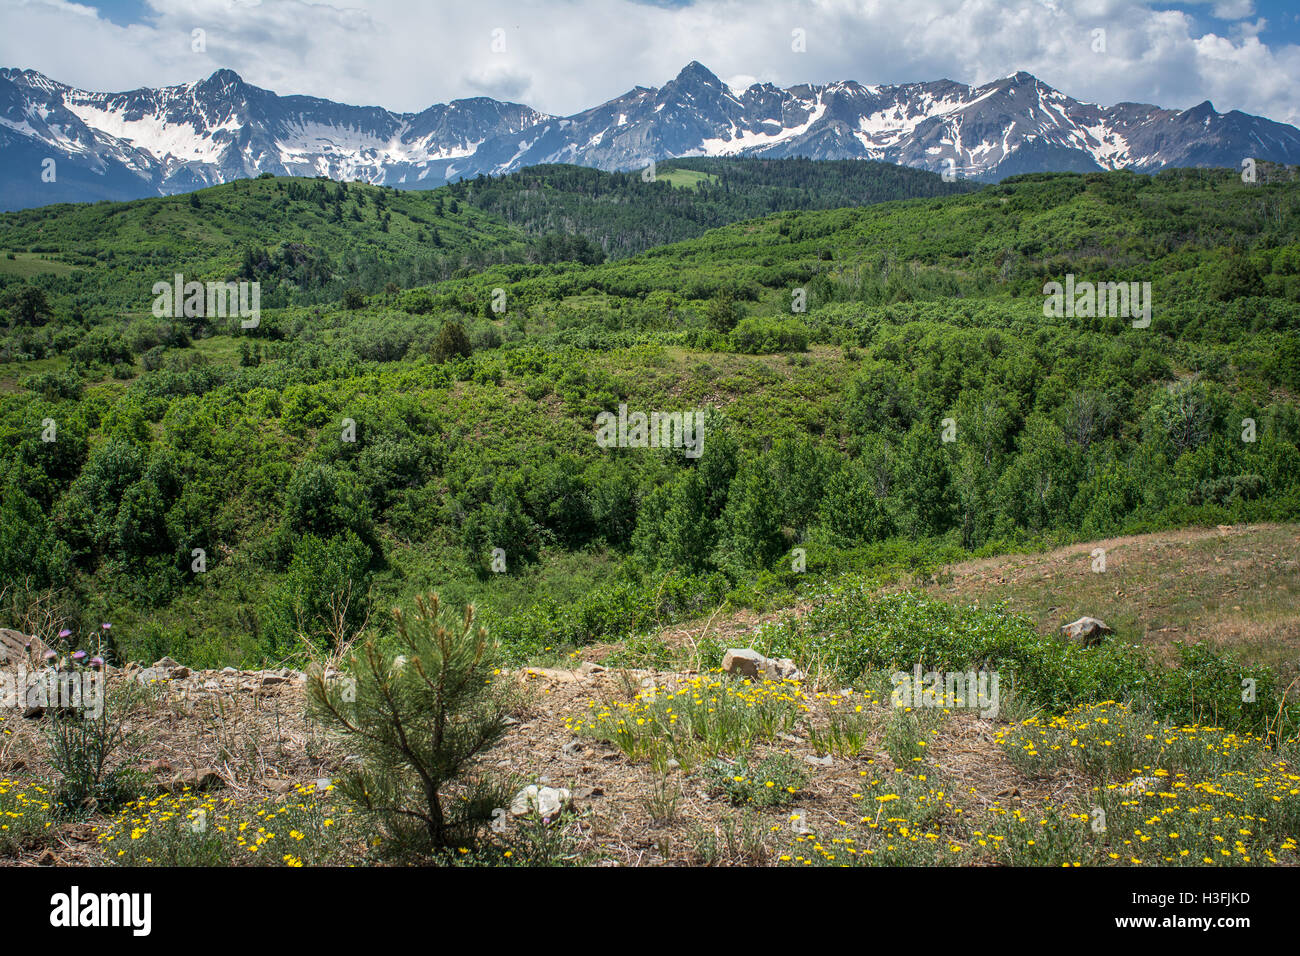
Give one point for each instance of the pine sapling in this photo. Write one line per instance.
(418, 715)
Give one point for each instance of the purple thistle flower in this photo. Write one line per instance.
(65, 633)
(96, 662)
(50, 654)
(78, 656)
(106, 626)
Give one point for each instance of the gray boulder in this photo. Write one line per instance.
(1088, 631)
(746, 662)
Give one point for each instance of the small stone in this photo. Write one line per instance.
(783, 669)
(571, 748)
(816, 761)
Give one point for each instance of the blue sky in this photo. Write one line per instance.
(565, 55)
(1283, 18)
(122, 12)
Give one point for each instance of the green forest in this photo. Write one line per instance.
(416, 408)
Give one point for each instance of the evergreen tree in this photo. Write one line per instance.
(418, 715)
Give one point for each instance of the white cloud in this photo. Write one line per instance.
(565, 55)
(1233, 9)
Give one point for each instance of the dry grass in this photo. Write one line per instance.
(1235, 588)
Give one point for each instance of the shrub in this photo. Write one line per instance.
(855, 631)
(452, 342)
(323, 501)
(722, 313)
(757, 336)
(324, 599)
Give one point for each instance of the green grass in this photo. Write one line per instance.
(27, 264)
(685, 178)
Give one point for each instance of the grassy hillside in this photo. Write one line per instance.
(905, 462)
(1235, 588)
(309, 240)
(368, 452)
(1222, 258)
(306, 240)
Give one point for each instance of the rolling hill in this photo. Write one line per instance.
(473, 427)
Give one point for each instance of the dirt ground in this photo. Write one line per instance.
(1234, 587)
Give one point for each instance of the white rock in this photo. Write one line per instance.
(545, 801)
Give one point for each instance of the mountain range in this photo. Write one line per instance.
(177, 139)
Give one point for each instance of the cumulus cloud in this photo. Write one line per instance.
(562, 56)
